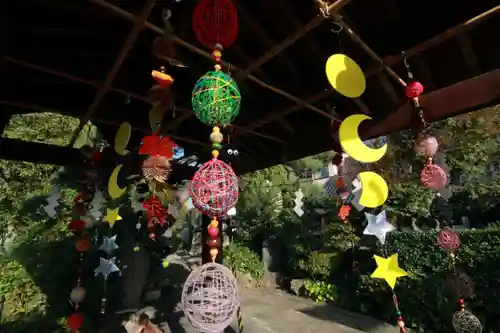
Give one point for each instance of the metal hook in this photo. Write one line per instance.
(338, 28)
(127, 100)
(405, 60)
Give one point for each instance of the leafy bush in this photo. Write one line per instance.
(320, 291)
(242, 260)
(426, 302)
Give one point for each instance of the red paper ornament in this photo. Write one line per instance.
(75, 321)
(448, 239)
(433, 177)
(155, 212)
(76, 225)
(214, 188)
(83, 243)
(414, 89)
(215, 22)
(154, 145)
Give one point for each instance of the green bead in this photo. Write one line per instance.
(398, 313)
(216, 99)
(216, 145)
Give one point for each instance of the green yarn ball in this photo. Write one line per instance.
(216, 99)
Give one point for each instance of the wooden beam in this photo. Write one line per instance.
(290, 40)
(103, 90)
(467, 49)
(37, 108)
(361, 105)
(73, 78)
(388, 61)
(263, 36)
(461, 97)
(39, 153)
(389, 88)
(424, 73)
(130, 17)
(355, 37)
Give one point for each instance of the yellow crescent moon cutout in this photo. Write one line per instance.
(374, 190)
(113, 189)
(345, 75)
(122, 137)
(352, 143)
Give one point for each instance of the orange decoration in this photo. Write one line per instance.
(83, 243)
(162, 79)
(344, 212)
(340, 183)
(154, 145)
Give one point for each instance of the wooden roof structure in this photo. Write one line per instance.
(93, 59)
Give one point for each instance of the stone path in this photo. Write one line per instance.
(271, 311)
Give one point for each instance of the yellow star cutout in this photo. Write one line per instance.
(388, 269)
(112, 216)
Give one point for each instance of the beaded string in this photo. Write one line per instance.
(213, 228)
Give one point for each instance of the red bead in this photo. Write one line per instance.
(414, 89)
(75, 321)
(213, 232)
(152, 235)
(215, 243)
(76, 225)
(460, 301)
(400, 318)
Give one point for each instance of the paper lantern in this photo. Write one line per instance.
(215, 22)
(414, 89)
(214, 188)
(216, 99)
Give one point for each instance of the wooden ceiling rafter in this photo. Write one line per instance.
(138, 26)
(185, 113)
(38, 108)
(467, 49)
(131, 17)
(387, 62)
(290, 40)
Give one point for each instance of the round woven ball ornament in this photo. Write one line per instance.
(433, 177)
(214, 188)
(215, 22)
(216, 99)
(448, 239)
(466, 322)
(210, 298)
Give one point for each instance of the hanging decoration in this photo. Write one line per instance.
(122, 138)
(52, 202)
(210, 298)
(83, 242)
(389, 270)
(299, 196)
(215, 22)
(463, 320)
(378, 226)
(345, 76)
(216, 97)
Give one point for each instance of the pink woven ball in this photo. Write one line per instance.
(426, 145)
(214, 188)
(448, 240)
(414, 89)
(433, 177)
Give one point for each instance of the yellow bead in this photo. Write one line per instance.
(216, 129)
(214, 223)
(217, 67)
(215, 153)
(216, 137)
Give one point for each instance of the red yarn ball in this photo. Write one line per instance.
(214, 188)
(215, 22)
(448, 239)
(213, 232)
(75, 321)
(414, 89)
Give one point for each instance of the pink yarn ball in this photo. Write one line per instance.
(448, 239)
(433, 177)
(426, 145)
(214, 188)
(414, 89)
(213, 232)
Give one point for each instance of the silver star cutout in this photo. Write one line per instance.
(108, 244)
(378, 226)
(106, 267)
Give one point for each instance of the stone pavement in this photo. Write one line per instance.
(272, 311)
